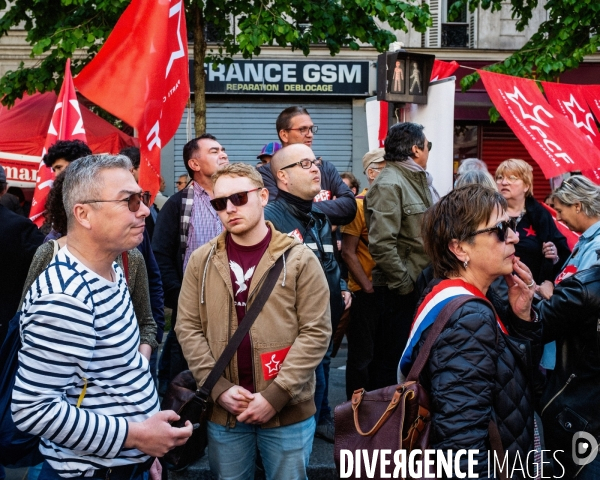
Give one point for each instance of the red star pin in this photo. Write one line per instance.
(530, 231)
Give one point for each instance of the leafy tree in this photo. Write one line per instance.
(61, 29)
(571, 31)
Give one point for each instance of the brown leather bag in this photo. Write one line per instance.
(395, 417)
(190, 403)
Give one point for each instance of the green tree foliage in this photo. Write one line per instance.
(561, 42)
(61, 29)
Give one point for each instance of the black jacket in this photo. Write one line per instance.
(570, 402)
(340, 211)
(19, 239)
(536, 227)
(475, 374)
(166, 244)
(315, 233)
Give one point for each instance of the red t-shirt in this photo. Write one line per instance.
(242, 264)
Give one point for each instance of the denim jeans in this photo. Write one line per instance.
(48, 473)
(322, 387)
(285, 451)
(591, 471)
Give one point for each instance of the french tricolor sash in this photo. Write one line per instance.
(428, 311)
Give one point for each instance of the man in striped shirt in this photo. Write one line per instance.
(82, 385)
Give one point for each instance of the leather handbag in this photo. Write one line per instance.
(190, 403)
(395, 417)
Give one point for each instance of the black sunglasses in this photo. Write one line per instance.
(238, 199)
(501, 229)
(133, 201)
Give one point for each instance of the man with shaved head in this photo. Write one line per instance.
(294, 212)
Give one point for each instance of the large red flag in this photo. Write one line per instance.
(141, 76)
(570, 101)
(443, 69)
(591, 93)
(66, 124)
(552, 140)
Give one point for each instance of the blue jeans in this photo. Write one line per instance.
(322, 386)
(591, 471)
(285, 451)
(48, 473)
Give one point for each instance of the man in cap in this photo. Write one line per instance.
(267, 152)
(362, 329)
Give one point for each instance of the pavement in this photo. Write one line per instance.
(321, 466)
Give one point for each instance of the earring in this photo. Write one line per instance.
(465, 264)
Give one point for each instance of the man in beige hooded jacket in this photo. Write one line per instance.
(265, 397)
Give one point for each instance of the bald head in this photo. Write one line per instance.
(304, 183)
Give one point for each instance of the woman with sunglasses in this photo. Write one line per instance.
(137, 280)
(541, 246)
(480, 366)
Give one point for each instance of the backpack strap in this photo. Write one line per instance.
(125, 259)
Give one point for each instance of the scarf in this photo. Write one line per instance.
(427, 313)
(413, 166)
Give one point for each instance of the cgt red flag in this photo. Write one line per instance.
(552, 140)
(66, 124)
(443, 69)
(570, 101)
(140, 75)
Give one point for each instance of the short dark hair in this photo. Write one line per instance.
(455, 217)
(133, 154)
(284, 118)
(17, 192)
(191, 147)
(400, 140)
(68, 149)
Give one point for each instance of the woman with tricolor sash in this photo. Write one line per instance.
(480, 367)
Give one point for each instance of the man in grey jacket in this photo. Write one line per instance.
(394, 208)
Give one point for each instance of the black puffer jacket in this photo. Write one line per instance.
(571, 317)
(475, 374)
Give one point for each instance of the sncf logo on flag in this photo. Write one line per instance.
(322, 196)
(567, 272)
(297, 235)
(271, 362)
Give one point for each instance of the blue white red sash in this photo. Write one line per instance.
(428, 311)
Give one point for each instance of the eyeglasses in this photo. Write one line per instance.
(429, 146)
(501, 229)
(133, 201)
(305, 163)
(304, 130)
(238, 199)
(510, 179)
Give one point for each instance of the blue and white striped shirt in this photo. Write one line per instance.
(75, 327)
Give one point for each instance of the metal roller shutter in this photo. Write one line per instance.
(499, 143)
(244, 128)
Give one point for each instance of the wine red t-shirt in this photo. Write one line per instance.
(242, 264)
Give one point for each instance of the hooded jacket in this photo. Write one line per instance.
(295, 316)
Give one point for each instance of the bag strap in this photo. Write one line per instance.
(497, 448)
(242, 329)
(436, 329)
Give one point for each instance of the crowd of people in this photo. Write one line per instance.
(88, 297)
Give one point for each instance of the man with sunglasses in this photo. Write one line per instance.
(82, 384)
(294, 126)
(186, 221)
(265, 397)
(295, 213)
(394, 208)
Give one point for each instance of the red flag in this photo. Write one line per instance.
(66, 124)
(141, 76)
(591, 93)
(443, 69)
(569, 100)
(552, 140)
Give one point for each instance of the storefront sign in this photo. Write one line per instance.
(21, 170)
(281, 77)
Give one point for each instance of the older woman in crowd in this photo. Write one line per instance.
(541, 246)
(476, 177)
(480, 367)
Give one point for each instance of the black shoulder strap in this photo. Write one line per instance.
(242, 329)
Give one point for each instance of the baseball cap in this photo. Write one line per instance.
(2, 174)
(374, 156)
(269, 149)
